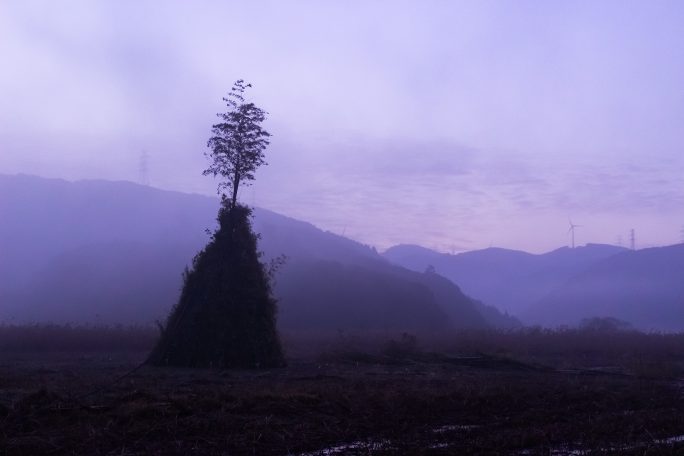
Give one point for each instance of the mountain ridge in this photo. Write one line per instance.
(564, 286)
(58, 233)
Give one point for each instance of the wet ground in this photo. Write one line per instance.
(433, 405)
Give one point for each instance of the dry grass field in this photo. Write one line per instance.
(81, 391)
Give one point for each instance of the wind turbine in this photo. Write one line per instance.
(571, 230)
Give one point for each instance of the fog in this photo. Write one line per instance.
(456, 126)
(425, 164)
(323, 228)
(102, 252)
(113, 253)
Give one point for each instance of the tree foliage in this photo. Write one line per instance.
(237, 143)
(226, 314)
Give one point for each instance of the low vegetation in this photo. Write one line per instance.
(556, 348)
(82, 390)
(37, 339)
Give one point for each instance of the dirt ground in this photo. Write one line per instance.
(98, 404)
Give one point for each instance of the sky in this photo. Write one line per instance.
(455, 125)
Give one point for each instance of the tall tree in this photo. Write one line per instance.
(238, 143)
(226, 313)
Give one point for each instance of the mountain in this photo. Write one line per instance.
(44, 218)
(113, 252)
(643, 287)
(507, 279)
(382, 301)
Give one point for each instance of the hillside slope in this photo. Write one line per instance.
(643, 287)
(113, 252)
(511, 280)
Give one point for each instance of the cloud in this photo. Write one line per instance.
(395, 121)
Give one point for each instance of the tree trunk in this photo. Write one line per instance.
(236, 183)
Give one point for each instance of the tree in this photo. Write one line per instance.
(238, 143)
(226, 314)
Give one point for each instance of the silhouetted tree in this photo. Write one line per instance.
(226, 314)
(238, 143)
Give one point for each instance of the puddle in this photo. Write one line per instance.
(450, 428)
(671, 440)
(351, 448)
(567, 451)
(454, 427)
(558, 452)
(368, 447)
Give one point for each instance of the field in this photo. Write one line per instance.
(81, 390)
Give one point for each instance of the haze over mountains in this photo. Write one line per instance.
(113, 252)
(564, 286)
(644, 287)
(507, 279)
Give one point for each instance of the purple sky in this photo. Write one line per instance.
(455, 125)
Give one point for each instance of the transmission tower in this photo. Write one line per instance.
(144, 178)
(632, 239)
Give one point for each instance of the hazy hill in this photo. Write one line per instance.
(114, 282)
(643, 287)
(99, 251)
(382, 301)
(43, 218)
(508, 279)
